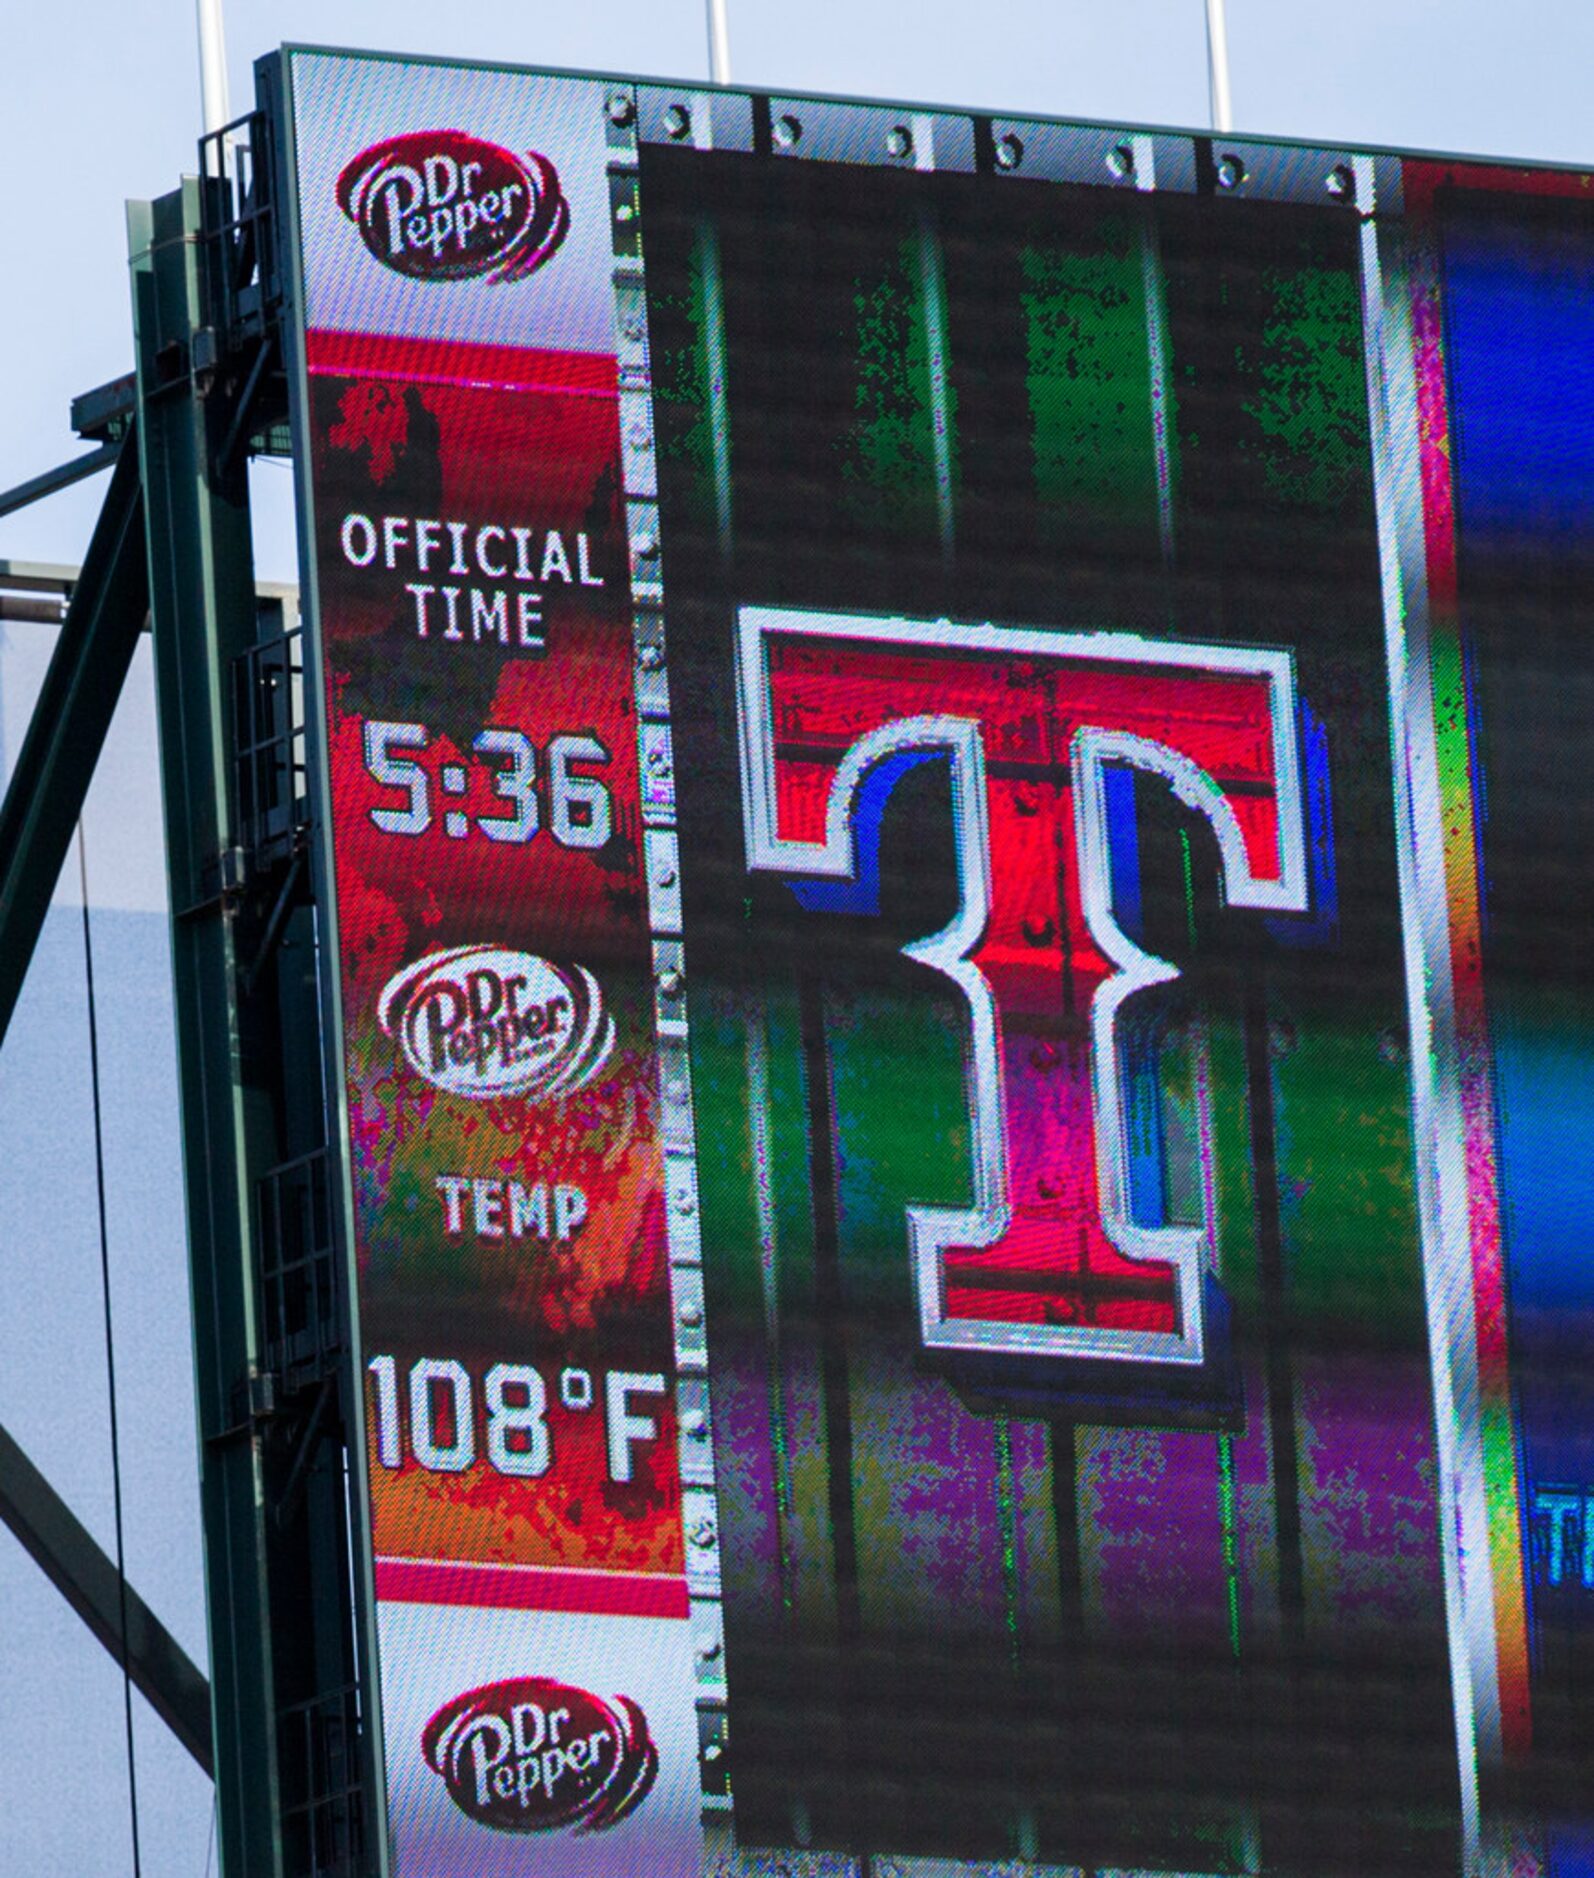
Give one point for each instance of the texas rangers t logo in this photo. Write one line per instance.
(1049, 1260)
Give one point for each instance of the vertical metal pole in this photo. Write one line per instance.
(1217, 66)
(202, 603)
(212, 65)
(719, 41)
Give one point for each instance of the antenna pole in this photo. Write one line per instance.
(1217, 66)
(719, 41)
(212, 65)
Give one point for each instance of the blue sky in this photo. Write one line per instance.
(103, 103)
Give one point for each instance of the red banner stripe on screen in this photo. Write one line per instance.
(531, 1588)
(422, 361)
(1421, 182)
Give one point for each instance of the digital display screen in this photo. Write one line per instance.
(950, 787)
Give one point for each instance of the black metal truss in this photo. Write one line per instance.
(68, 1555)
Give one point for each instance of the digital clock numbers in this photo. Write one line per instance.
(579, 809)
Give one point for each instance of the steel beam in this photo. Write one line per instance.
(61, 477)
(103, 414)
(39, 577)
(296, 1770)
(69, 722)
(64, 1550)
(202, 607)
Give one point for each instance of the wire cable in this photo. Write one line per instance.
(110, 1341)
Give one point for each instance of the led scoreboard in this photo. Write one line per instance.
(956, 918)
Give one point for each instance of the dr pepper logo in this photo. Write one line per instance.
(485, 1021)
(440, 205)
(534, 1754)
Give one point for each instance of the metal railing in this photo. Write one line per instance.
(301, 1334)
(323, 1811)
(239, 213)
(269, 747)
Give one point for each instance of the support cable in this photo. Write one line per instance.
(110, 1344)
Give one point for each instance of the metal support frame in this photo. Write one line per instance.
(61, 477)
(292, 1755)
(100, 626)
(64, 1550)
(69, 722)
(201, 599)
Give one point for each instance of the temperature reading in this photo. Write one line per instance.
(529, 789)
(437, 1410)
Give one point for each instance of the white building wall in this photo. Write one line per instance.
(67, 1778)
